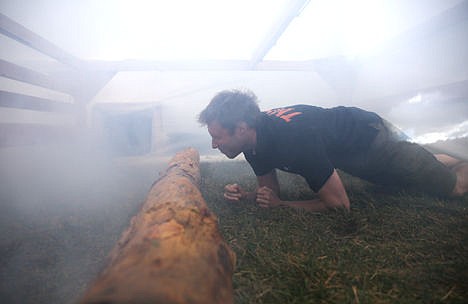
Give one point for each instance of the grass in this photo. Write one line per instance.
(62, 212)
(393, 247)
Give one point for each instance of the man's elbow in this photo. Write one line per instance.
(339, 203)
(333, 194)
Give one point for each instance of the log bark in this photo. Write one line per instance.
(173, 251)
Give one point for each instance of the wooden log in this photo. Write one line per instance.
(172, 252)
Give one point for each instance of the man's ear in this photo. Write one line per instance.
(242, 127)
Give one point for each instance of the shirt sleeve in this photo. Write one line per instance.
(260, 166)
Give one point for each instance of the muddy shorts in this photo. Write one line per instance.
(392, 160)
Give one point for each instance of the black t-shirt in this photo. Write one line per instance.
(310, 141)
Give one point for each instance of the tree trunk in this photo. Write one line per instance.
(172, 252)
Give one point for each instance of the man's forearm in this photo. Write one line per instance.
(315, 205)
(249, 195)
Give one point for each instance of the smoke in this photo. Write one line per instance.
(63, 208)
(453, 132)
(432, 116)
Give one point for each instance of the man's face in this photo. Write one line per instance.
(229, 144)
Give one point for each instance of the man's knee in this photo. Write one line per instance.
(461, 185)
(447, 160)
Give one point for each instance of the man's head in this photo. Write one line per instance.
(231, 118)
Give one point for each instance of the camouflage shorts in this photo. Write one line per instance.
(393, 161)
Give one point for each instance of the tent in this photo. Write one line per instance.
(94, 94)
(403, 60)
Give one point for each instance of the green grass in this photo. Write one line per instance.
(393, 247)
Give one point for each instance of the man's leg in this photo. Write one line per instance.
(448, 160)
(460, 168)
(409, 166)
(391, 160)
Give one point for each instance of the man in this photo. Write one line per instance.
(313, 142)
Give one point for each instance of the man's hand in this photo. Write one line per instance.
(234, 192)
(267, 198)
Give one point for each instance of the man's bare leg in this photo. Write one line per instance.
(448, 160)
(461, 187)
(460, 168)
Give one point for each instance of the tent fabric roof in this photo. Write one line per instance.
(379, 54)
(220, 30)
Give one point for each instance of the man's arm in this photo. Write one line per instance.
(332, 194)
(269, 180)
(234, 192)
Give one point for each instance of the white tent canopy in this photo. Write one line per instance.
(397, 58)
